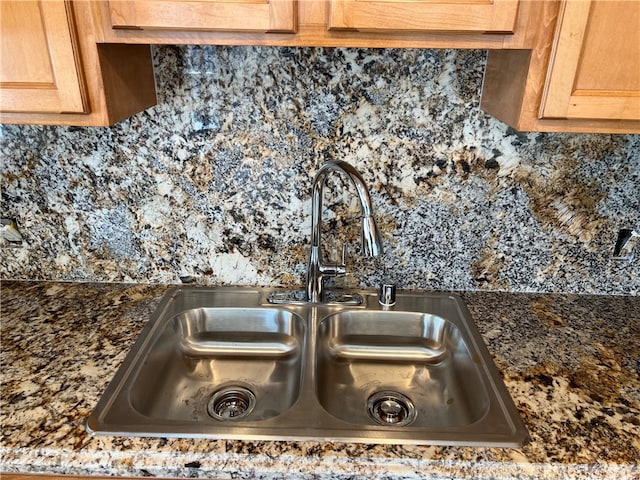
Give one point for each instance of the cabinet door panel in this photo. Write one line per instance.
(223, 15)
(39, 71)
(594, 72)
(497, 16)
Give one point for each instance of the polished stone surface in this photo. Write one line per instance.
(570, 362)
(214, 182)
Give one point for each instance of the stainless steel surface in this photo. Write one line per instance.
(299, 297)
(202, 349)
(226, 363)
(421, 356)
(371, 239)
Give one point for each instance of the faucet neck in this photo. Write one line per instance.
(317, 194)
(371, 239)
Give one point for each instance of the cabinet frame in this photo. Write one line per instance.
(312, 30)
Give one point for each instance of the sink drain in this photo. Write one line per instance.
(231, 403)
(391, 409)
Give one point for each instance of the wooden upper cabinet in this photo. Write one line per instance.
(594, 71)
(52, 71)
(484, 16)
(204, 15)
(39, 63)
(582, 73)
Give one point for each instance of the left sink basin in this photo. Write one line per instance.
(217, 361)
(206, 364)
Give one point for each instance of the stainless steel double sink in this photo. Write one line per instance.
(227, 363)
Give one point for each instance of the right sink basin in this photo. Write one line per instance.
(398, 369)
(417, 372)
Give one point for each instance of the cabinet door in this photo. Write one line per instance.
(222, 15)
(594, 71)
(496, 16)
(39, 69)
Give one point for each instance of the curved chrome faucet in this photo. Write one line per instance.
(371, 238)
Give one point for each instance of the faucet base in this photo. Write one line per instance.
(299, 297)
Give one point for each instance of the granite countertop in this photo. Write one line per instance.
(571, 364)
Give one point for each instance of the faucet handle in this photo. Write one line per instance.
(336, 267)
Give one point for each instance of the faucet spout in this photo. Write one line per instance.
(371, 238)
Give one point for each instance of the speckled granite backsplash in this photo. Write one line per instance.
(214, 182)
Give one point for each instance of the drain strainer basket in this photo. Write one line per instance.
(391, 409)
(231, 403)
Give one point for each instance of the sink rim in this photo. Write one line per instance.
(306, 419)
